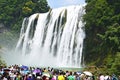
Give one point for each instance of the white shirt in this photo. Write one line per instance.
(106, 77)
(102, 77)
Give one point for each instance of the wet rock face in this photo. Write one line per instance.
(2, 28)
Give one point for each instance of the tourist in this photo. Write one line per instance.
(18, 76)
(77, 77)
(101, 77)
(107, 77)
(61, 76)
(114, 77)
(38, 78)
(71, 77)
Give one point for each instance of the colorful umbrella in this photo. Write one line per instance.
(87, 73)
(36, 71)
(24, 67)
(46, 74)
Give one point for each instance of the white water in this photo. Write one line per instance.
(56, 39)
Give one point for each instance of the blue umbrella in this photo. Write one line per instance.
(24, 67)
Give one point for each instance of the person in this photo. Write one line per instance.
(77, 76)
(38, 78)
(107, 77)
(18, 76)
(83, 76)
(71, 77)
(101, 77)
(54, 76)
(114, 77)
(60, 76)
(12, 75)
(119, 77)
(5, 76)
(93, 77)
(30, 77)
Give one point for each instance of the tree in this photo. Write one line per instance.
(111, 38)
(12, 12)
(102, 30)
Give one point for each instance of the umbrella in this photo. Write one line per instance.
(46, 74)
(24, 67)
(36, 71)
(87, 73)
(6, 69)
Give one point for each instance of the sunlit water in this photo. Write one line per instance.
(54, 38)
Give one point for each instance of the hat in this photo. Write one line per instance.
(38, 77)
(30, 75)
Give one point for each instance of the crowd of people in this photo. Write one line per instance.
(22, 72)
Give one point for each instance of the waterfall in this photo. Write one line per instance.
(54, 38)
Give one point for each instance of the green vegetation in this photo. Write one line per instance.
(102, 44)
(2, 63)
(12, 12)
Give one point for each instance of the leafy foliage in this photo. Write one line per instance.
(2, 63)
(111, 38)
(12, 12)
(102, 32)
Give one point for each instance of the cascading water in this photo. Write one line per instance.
(54, 38)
